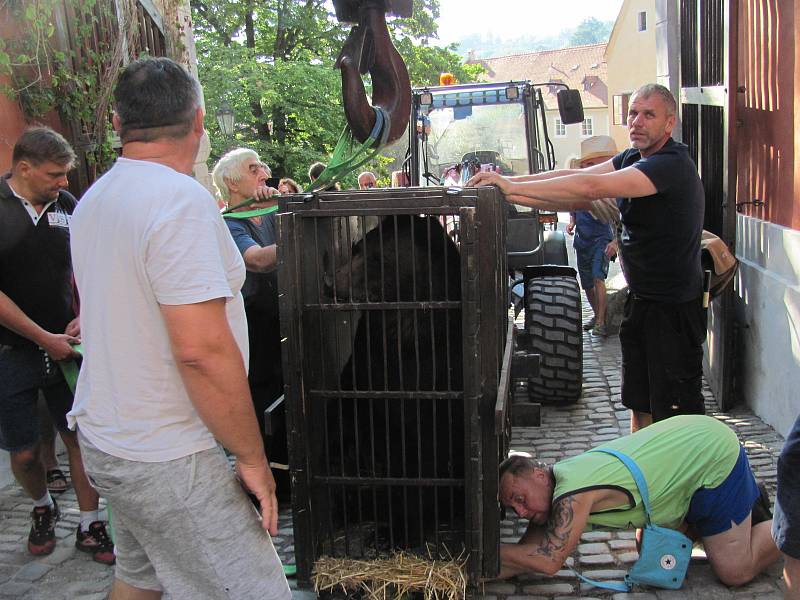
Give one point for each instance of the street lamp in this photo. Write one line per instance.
(225, 117)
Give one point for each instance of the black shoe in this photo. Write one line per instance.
(42, 538)
(96, 542)
(761, 507)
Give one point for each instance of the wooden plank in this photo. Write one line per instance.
(150, 10)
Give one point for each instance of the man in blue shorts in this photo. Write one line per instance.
(38, 325)
(594, 238)
(712, 496)
(786, 524)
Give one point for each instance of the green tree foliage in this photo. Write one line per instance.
(485, 45)
(272, 62)
(591, 31)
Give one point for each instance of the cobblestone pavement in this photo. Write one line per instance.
(67, 574)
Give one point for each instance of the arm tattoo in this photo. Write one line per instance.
(559, 526)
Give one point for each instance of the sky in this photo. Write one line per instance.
(513, 18)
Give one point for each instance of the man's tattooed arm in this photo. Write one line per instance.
(559, 527)
(546, 548)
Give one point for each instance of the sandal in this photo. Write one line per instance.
(56, 481)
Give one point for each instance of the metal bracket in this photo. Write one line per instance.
(755, 202)
(269, 430)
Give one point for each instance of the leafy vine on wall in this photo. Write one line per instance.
(67, 59)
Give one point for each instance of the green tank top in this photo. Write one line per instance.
(677, 456)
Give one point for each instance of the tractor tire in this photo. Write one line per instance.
(553, 322)
(554, 248)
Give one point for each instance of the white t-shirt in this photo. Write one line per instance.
(145, 235)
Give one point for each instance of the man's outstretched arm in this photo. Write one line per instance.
(544, 549)
(573, 191)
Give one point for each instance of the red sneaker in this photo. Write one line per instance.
(96, 542)
(42, 538)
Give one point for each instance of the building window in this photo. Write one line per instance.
(642, 21)
(587, 127)
(621, 108)
(560, 129)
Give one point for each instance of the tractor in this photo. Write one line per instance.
(457, 130)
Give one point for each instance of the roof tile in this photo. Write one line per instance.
(581, 67)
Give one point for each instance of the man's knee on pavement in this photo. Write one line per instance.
(730, 567)
(734, 577)
(731, 554)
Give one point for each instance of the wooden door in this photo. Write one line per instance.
(707, 81)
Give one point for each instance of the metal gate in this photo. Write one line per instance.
(394, 316)
(706, 79)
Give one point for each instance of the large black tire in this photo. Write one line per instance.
(554, 248)
(553, 321)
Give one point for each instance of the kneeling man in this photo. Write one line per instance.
(699, 480)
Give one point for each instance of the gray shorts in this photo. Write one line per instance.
(186, 527)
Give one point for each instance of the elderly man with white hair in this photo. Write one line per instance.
(367, 181)
(240, 175)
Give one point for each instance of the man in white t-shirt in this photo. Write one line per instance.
(164, 376)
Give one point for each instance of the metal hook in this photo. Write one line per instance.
(369, 48)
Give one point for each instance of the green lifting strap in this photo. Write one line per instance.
(258, 212)
(349, 155)
(70, 368)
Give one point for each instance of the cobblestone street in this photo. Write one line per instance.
(68, 574)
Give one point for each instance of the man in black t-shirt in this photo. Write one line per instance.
(661, 201)
(38, 325)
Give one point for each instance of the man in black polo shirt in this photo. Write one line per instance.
(661, 201)
(38, 325)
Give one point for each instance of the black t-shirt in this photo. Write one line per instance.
(35, 262)
(660, 241)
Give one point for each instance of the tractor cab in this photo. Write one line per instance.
(458, 130)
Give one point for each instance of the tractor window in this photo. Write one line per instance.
(492, 135)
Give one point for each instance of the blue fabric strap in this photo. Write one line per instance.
(641, 483)
(638, 477)
(606, 585)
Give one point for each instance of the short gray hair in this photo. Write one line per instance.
(518, 464)
(155, 98)
(230, 167)
(650, 89)
(41, 144)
